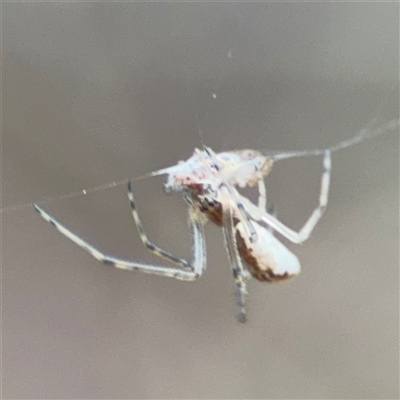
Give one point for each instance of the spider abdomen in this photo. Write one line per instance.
(267, 259)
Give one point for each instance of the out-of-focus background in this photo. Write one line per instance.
(98, 92)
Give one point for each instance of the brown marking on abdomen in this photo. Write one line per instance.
(261, 273)
(213, 213)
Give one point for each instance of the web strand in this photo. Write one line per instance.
(82, 192)
(363, 134)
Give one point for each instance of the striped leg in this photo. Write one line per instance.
(197, 234)
(305, 231)
(191, 271)
(235, 261)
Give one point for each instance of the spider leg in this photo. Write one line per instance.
(196, 229)
(271, 211)
(305, 231)
(191, 272)
(262, 202)
(262, 195)
(235, 261)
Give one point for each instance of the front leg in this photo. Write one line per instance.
(191, 270)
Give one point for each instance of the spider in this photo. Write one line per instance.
(246, 228)
(208, 182)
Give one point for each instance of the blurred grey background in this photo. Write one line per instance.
(98, 92)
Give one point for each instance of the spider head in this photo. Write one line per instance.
(198, 174)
